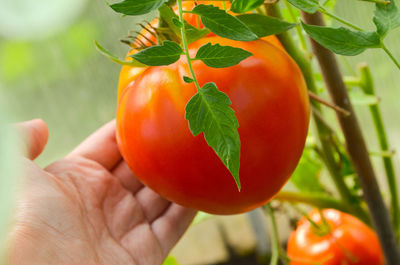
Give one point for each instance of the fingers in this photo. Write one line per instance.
(153, 205)
(101, 147)
(170, 227)
(127, 178)
(35, 135)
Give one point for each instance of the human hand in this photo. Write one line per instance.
(89, 208)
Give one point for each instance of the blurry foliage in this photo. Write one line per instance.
(170, 261)
(28, 19)
(20, 59)
(16, 59)
(63, 79)
(306, 176)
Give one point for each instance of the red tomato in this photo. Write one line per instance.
(348, 241)
(270, 99)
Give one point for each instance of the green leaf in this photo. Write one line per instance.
(218, 56)
(167, 53)
(116, 59)
(209, 111)
(342, 40)
(188, 79)
(306, 175)
(170, 261)
(242, 6)
(386, 17)
(264, 25)
(177, 22)
(309, 6)
(224, 24)
(136, 7)
(192, 33)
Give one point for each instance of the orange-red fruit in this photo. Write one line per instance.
(270, 99)
(349, 241)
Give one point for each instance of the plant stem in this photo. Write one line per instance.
(318, 200)
(394, 60)
(298, 27)
(385, 2)
(305, 215)
(275, 244)
(341, 20)
(185, 45)
(326, 103)
(324, 133)
(367, 84)
(356, 145)
(351, 81)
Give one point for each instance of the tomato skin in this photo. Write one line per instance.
(350, 240)
(270, 99)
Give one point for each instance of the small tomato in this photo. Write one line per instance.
(345, 240)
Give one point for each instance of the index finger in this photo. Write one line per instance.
(101, 147)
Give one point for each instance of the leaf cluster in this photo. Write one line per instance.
(345, 41)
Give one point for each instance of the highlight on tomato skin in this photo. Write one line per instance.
(346, 241)
(269, 96)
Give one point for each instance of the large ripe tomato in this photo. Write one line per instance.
(347, 241)
(270, 99)
(129, 74)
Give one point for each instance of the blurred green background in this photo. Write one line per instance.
(50, 69)
(56, 74)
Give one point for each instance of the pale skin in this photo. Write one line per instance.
(89, 208)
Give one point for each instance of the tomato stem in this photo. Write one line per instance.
(275, 246)
(394, 60)
(314, 199)
(367, 85)
(323, 131)
(326, 103)
(356, 145)
(341, 20)
(385, 2)
(352, 81)
(298, 27)
(185, 45)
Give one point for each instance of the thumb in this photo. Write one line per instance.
(34, 137)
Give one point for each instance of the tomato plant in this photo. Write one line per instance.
(333, 238)
(207, 93)
(157, 144)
